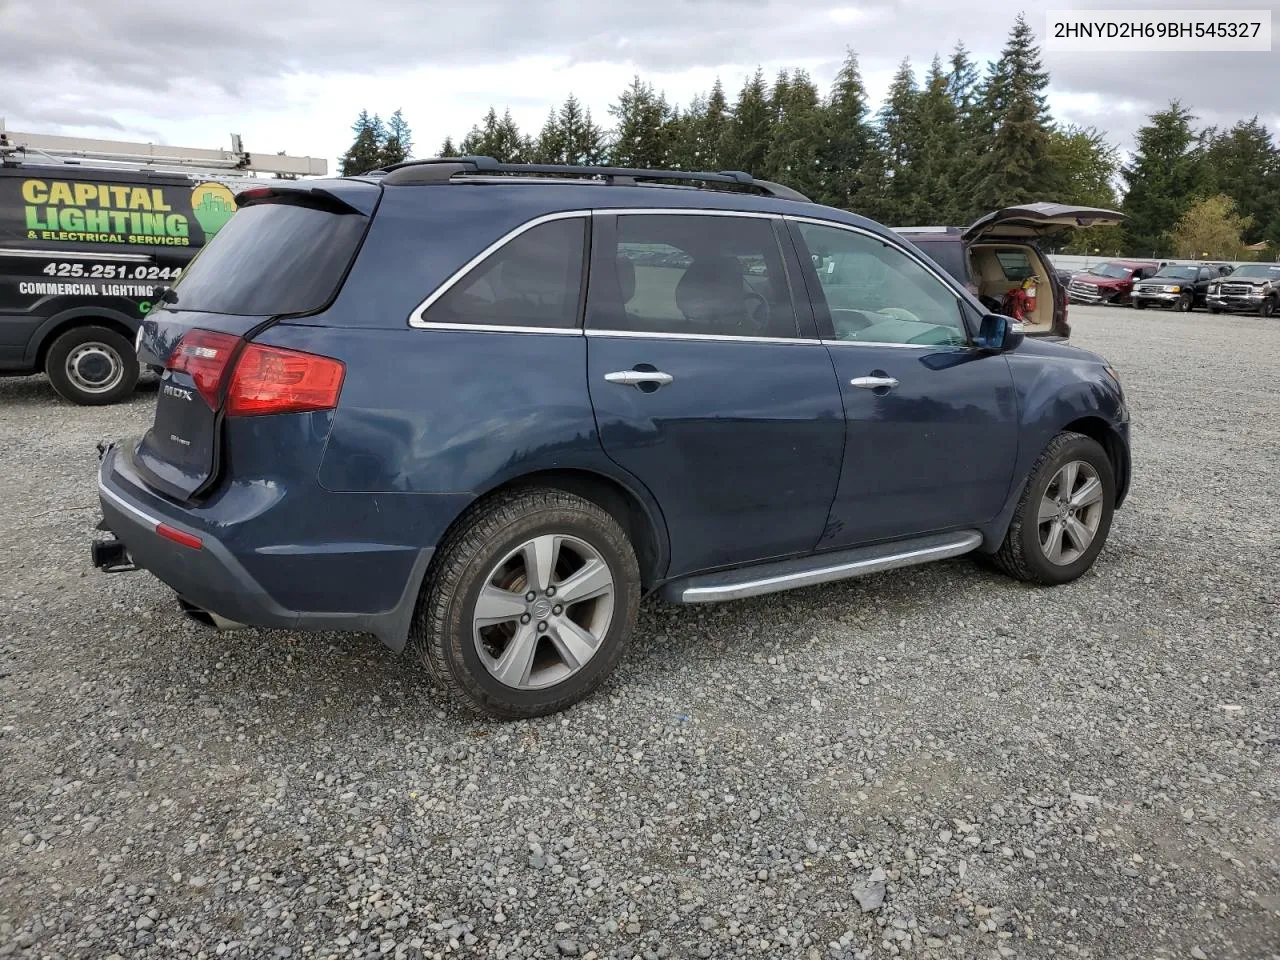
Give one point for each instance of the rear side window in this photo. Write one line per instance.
(534, 280)
(948, 254)
(1015, 264)
(270, 259)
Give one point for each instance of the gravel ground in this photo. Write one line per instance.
(935, 762)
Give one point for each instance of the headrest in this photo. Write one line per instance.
(711, 291)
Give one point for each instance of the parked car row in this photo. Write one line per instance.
(1250, 288)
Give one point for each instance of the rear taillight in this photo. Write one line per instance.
(203, 355)
(275, 380)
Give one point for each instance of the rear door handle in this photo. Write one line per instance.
(635, 378)
(874, 383)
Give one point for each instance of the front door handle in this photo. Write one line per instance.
(874, 383)
(638, 378)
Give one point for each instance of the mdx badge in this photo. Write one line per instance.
(170, 390)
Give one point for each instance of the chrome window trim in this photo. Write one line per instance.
(683, 212)
(498, 328)
(947, 284)
(416, 318)
(897, 346)
(730, 338)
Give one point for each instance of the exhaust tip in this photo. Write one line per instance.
(207, 618)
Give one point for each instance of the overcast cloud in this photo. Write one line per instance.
(291, 74)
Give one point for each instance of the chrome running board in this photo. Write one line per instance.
(822, 568)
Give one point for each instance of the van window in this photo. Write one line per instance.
(272, 259)
(1015, 264)
(535, 280)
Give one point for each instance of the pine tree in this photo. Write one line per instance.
(365, 152)
(549, 146)
(852, 164)
(975, 130)
(642, 136)
(900, 127)
(939, 140)
(1162, 178)
(398, 145)
(1014, 167)
(795, 144)
(583, 143)
(746, 136)
(710, 129)
(778, 97)
(447, 149)
(497, 138)
(1244, 164)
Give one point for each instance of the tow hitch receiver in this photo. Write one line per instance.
(111, 556)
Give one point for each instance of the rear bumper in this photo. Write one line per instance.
(213, 577)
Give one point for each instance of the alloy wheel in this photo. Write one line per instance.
(1070, 512)
(543, 611)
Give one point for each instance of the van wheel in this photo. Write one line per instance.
(529, 604)
(92, 366)
(1185, 303)
(1064, 515)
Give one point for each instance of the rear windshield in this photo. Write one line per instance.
(272, 258)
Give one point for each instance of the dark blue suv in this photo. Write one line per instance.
(479, 410)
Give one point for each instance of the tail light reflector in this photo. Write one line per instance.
(179, 536)
(270, 380)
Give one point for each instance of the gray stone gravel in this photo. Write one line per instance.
(935, 762)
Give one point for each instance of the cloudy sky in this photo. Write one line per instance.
(292, 74)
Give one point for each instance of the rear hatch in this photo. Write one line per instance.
(283, 254)
(1038, 220)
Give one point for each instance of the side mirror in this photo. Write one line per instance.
(998, 333)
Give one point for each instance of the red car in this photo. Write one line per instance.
(1109, 282)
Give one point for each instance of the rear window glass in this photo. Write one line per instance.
(272, 258)
(1015, 264)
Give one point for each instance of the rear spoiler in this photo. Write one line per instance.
(341, 197)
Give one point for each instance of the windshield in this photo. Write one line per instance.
(1113, 270)
(1258, 271)
(1177, 273)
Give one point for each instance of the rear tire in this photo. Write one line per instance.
(1069, 498)
(511, 656)
(92, 366)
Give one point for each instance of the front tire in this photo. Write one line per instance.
(529, 604)
(1185, 303)
(1268, 307)
(1138, 304)
(1062, 520)
(92, 366)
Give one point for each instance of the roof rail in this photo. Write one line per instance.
(443, 169)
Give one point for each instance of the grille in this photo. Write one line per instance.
(1085, 291)
(1236, 289)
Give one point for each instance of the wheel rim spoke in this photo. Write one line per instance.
(1067, 479)
(1048, 509)
(496, 605)
(592, 580)
(516, 663)
(573, 643)
(1080, 535)
(540, 556)
(1090, 492)
(1053, 544)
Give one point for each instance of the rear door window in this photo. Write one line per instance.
(272, 259)
(692, 275)
(534, 280)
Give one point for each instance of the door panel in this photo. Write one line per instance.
(703, 387)
(931, 422)
(934, 452)
(741, 449)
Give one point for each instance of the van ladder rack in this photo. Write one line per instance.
(38, 147)
(443, 169)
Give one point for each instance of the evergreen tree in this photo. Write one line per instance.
(643, 136)
(1014, 166)
(1162, 178)
(483, 139)
(746, 136)
(1244, 164)
(365, 152)
(1084, 168)
(710, 129)
(852, 163)
(549, 145)
(795, 143)
(447, 149)
(398, 145)
(939, 142)
(975, 128)
(681, 133)
(571, 136)
(900, 128)
(778, 97)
